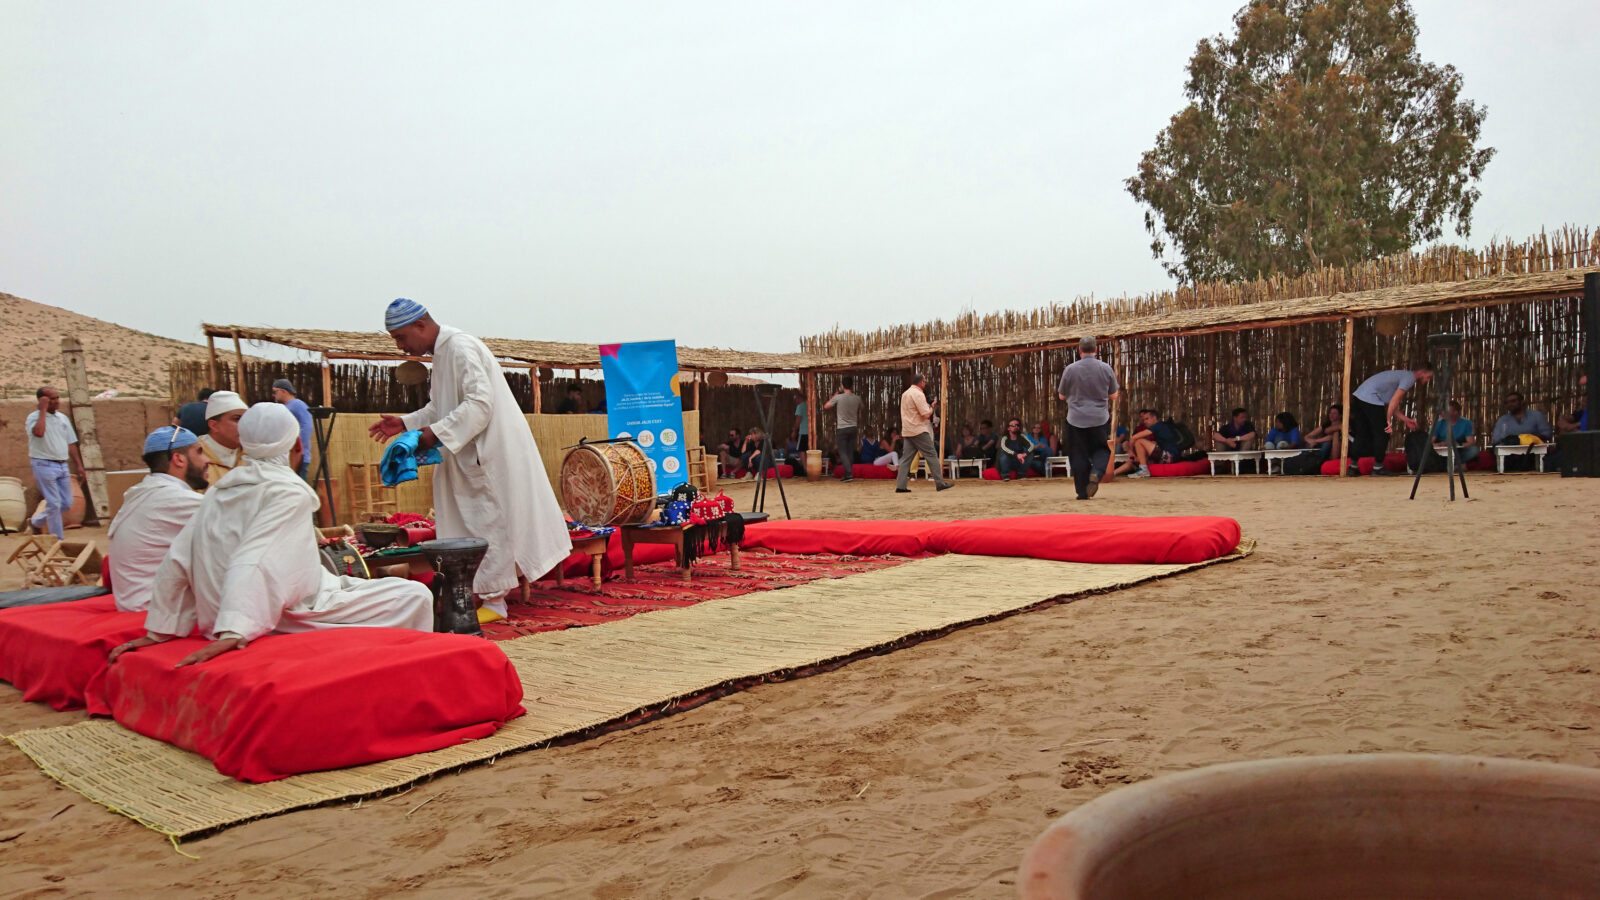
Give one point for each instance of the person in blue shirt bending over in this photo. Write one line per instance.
(1460, 434)
(1284, 434)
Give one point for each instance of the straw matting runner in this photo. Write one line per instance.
(582, 678)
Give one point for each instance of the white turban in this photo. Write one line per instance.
(268, 431)
(223, 401)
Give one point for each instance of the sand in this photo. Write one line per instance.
(1363, 623)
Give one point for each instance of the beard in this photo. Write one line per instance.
(195, 478)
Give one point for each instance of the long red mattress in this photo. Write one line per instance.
(51, 652)
(293, 703)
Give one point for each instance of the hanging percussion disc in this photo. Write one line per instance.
(1389, 326)
(411, 372)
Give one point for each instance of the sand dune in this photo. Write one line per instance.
(1363, 622)
(118, 358)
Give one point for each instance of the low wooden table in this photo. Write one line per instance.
(1501, 451)
(596, 548)
(1234, 456)
(662, 534)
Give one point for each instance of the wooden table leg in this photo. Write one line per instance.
(627, 555)
(683, 559)
(594, 567)
(734, 551)
(561, 579)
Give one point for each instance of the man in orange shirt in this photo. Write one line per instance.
(916, 435)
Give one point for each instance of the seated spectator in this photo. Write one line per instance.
(1238, 433)
(1017, 453)
(888, 457)
(1122, 441)
(987, 442)
(1460, 433)
(1568, 423)
(751, 454)
(573, 404)
(869, 448)
(1518, 421)
(1042, 433)
(967, 446)
(1327, 436)
(728, 450)
(1154, 441)
(1285, 433)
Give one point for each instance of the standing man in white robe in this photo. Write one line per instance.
(246, 565)
(491, 483)
(153, 512)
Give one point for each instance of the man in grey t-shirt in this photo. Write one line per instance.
(1088, 386)
(1374, 407)
(846, 405)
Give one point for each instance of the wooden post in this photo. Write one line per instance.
(327, 381)
(694, 390)
(811, 410)
(1116, 410)
(211, 344)
(94, 465)
(1344, 437)
(944, 414)
(238, 359)
(538, 393)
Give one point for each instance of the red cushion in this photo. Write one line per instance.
(870, 538)
(784, 470)
(293, 703)
(51, 652)
(994, 474)
(865, 470)
(1091, 539)
(1179, 469)
(105, 573)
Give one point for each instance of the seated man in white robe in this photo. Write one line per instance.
(246, 565)
(153, 512)
(220, 443)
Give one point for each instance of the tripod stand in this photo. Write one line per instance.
(766, 406)
(1443, 349)
(322, 417)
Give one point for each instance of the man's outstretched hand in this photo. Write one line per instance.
(386, 427)
(212, 651)
(132, 645)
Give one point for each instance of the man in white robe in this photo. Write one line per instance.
(491, 483)
(153, 512)
(220, 444)
(246, 565)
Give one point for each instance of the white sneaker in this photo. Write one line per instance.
(1141, 472)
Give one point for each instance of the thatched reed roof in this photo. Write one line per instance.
(1401, 300)
(378, 345)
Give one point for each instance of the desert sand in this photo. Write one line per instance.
(1362, 623)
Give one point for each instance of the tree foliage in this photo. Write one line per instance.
(1314, 135)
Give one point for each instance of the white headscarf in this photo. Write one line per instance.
(267, 432)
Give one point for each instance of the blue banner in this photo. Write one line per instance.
(643, 405)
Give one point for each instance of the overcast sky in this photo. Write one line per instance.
(725, 174)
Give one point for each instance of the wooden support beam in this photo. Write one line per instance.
(94, 466)
(327, 381)
(211, 345)
(1344, 418)
(1116, 412)
(944, 414)
(538, 393)
(694, 390)
(811, 410)
(238, 358)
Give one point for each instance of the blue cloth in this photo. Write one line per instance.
(402, 312)
(55, 483)
(163, 438)
(1462, 431)
(401, 460)
(1278, 434)
(302, 414)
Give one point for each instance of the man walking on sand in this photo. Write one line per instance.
(916, 436)
(1088, 387)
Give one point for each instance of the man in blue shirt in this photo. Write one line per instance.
(283, 392)
(1460, 431)
(1153, 442)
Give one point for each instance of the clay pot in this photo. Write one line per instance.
(813, 465)
(13, 506)
(1381, 825)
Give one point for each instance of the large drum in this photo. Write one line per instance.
(608, 484)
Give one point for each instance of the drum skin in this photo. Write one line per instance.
(608, 484)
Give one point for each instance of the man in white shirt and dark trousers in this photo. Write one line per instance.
(52, 441)
(1088, 387)
(1375, 406)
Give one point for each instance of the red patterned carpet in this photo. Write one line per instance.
(580, 603)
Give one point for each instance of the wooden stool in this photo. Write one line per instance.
(701, 475)
(596, 548)
(368, 495)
